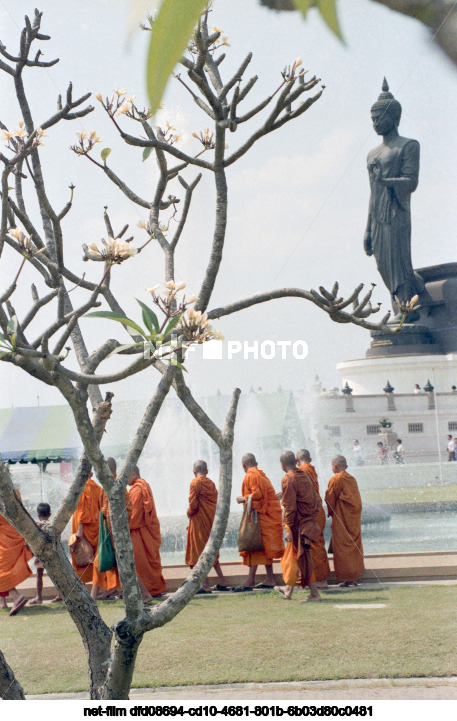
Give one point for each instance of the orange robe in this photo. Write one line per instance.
(201, 512)
(14, 555)
(87, 513)
(145, 534)
(318, 552)
(108, 580)
(301, 506)
(345, 507)
(264, 501)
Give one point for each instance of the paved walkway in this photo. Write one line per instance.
(348, 689)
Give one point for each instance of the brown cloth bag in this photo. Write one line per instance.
(82, 551)
(249, 535)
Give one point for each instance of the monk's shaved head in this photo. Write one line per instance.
(112, 465)
(288, 459)
(303, 456)
(339, 462)
(134, 475)
(249, 461)
(200, 468)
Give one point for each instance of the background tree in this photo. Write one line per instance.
(32, 228)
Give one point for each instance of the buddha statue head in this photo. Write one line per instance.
(386, 111)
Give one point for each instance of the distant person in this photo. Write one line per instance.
(383, 453)
(301, 507)
(357, 453)
(265, 502)
(345, 509)
(318, 552)
(44, 514)
(399, 454)
(417, 388)
(201, 512)
(14, 567)
(453, 389)
(450, 448)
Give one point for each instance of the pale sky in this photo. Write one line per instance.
(297, 201)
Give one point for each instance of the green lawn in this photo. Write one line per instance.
(258, 637)
(415, 494)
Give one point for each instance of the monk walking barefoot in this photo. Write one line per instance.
(345, 509)
(14, 568)
(301, 506)
(145, 535)
(265, 502)
(318, 551)
(201, 512)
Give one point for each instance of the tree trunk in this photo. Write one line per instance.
(95, 634)
(122, 666)
(10, 688)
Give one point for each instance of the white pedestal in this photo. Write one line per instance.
(367, 376)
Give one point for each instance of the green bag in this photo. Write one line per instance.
(106, 557)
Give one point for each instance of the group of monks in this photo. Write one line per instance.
(144, 531)
(300, 522)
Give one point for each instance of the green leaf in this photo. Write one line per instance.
(149, 317)
(119, 318)
(123, 347)
(104, 153)
(304, 5)
(174, 322)
(2, 337)
(176, 363)
(170, 35)
(11, 328)
(147, 152)
(327, 9)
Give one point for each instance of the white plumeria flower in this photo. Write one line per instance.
(122, 109)
(82, 134)
(153, 289)
(192, 299)
(8, 134)
(119, 92)
(99, 97)
(94, 137)
(180, 286)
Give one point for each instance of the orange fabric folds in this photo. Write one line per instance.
(318, 552)
(13, 557)
(345, 507)
(87, 512)
(201, 512)
(145, 535)
(109, 580)
(289, 565)
(264, 501)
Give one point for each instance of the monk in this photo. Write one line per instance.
(264, 501)
(345, 508)
(85, 522)
(109, 580)
(318, 552)
(14, 568)
(145, 535)
(201, 512)
(301, 507)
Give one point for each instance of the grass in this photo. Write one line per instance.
(253, 638)
(413, 494)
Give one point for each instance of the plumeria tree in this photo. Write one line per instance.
(171, 321)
